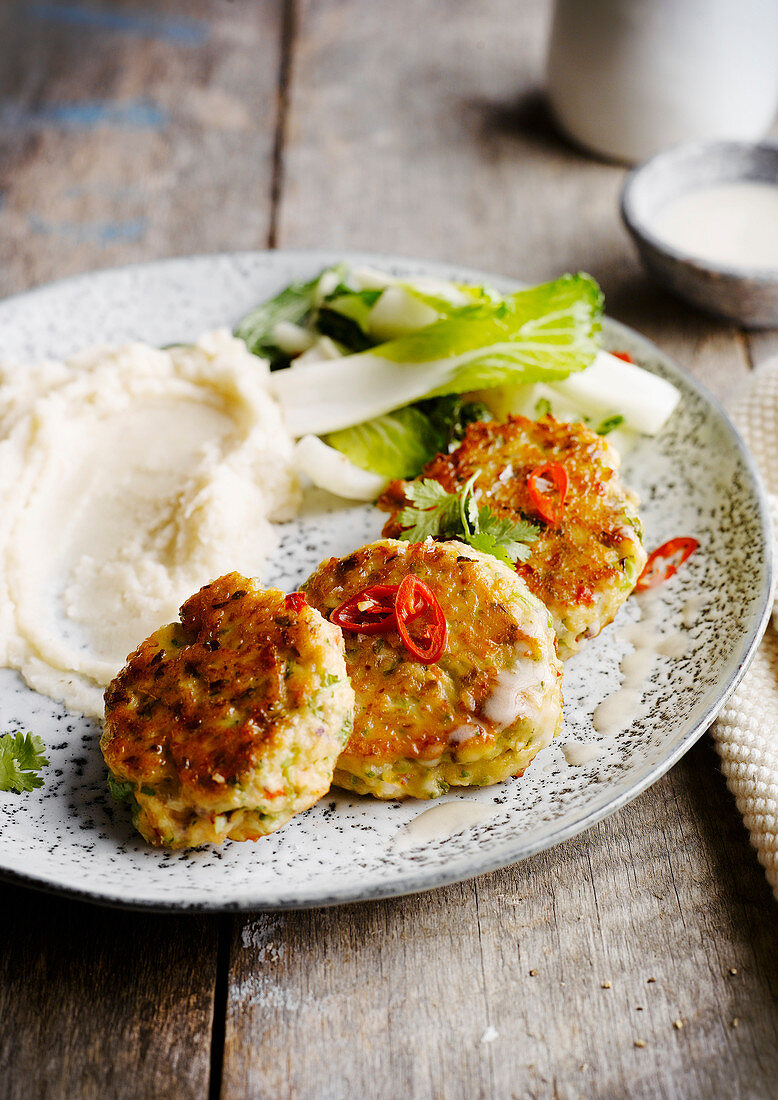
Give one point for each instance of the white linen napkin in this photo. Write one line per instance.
(746, 730)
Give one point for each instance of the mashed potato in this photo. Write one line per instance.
(129, 477)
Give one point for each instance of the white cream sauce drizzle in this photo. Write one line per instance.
(464, 733)
(578, 753)
(443, 820)
(515, 692)
(617, 711)
(691, 609)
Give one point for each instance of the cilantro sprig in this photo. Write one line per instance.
(21, 757)
(438, 514)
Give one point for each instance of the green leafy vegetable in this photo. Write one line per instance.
(122, 791)
(399, 307)
(504, 538)
(540, 334)
(543, 407)
(354, 304)
(436, 513)
(342, 328)
(451, 415)
(399, 444)
(395, 445)
(257, 328)
(608, 424)
(21, 756)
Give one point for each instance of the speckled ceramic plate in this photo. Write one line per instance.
(695, 479)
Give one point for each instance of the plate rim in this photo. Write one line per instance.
(419, 881)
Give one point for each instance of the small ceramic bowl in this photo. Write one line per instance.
(746, 295)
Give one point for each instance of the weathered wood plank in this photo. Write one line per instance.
(374, 986)
(555, 954)
(423, 132)
(127, 131)
(665, 890)
(441, 152)
(132, 131)
(446, 153)
(97, 1003)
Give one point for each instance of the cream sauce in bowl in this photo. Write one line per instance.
(733, 225)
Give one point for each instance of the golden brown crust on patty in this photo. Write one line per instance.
(582, 568)
(207, 712)
(420, 727)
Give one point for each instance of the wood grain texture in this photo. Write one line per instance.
(97, 1003)
(417, 129)
(127, 131)
(423, 131)
(555, 954)
(144, 131)
(447, 153)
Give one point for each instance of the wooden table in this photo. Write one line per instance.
(637, 960)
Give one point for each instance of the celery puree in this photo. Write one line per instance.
(129, 477)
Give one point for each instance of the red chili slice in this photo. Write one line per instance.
(295, 601)
(623, 355)
(414, 597)
(551, 511)
(386, 607)
(370, 611)
(665, 561)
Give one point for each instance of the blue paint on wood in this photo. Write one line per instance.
(86, 114)
(180, 31)
(102, 233)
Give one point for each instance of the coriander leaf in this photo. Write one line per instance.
(30, 752)
(427, 493)
(502, 537)
(439, 514)
(418, 525)
(434, 514)
(608, 424)
(20, 758)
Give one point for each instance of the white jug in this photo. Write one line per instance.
(629, 77)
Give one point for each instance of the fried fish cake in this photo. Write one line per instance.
(582, 568)
(477, 715)
(228, 723)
